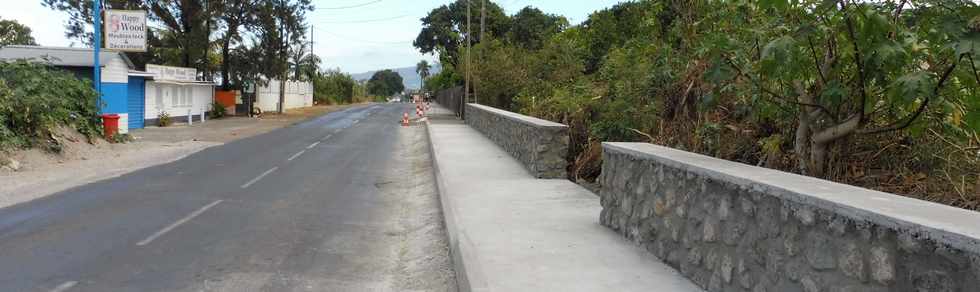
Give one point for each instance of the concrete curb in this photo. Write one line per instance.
(469, 276)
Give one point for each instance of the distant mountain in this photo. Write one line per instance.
(412, 79)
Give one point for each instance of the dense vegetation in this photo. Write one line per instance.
(35, 99)
(334, 87)
(881, 94)
(385, 83)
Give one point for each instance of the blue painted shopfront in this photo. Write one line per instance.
(136, 101)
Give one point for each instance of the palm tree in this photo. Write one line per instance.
(422, 68)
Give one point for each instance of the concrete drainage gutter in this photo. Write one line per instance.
(469, 277)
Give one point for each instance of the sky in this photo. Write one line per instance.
(373, 35)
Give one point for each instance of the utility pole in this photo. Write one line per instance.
(316, 69)
(483, 22)
(469, 43)
(285, 56)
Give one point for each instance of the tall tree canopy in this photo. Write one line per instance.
(444, 29)
(385, 83)
(189, 25)
(251, 36)
(531, 27)
(422, 68)
(281, 24)
(14, 33)
(235, 15)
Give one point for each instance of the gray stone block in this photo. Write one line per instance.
(540, 145)
(728, 230)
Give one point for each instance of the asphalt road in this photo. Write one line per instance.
(340, 202)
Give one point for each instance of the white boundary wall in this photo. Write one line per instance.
(298, 94)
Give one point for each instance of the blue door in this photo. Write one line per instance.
(136, 102)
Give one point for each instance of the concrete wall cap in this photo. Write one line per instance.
(518, 117)
(956, 227)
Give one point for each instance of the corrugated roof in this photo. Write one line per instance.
(60, 56)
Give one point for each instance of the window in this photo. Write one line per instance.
(174, 96)
(188, 97)
(158, 89)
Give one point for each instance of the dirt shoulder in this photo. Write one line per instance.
(41, 173)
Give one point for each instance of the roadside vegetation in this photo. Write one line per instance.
(879, 94)
(385, 83)
(36, 100)
(336, 87)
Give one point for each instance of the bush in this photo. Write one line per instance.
(164, 119)
(333, 87)
(35, 98)
(217, 111)
(122, 138)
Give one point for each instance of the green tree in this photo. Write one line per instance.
(235, 15)
(531, 27)
(502, 72)
(422, 68)
(281, 24)
(444, 29)
(188, 29)
(385, 83)
(303, 63)
(446, 78)
(863, 68)
(14, 33)
(613, 27)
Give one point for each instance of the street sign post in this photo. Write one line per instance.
(96, 67)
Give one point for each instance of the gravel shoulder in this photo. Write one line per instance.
(43, 173)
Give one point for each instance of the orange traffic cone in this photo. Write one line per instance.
(405, 120)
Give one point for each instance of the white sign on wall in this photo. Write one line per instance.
(172, 73)
(125, 30)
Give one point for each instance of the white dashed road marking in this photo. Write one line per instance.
(178, 223)
(64, 286)
(296, 155)
(257, 178)
(313, 145)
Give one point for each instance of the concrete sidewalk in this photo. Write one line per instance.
(512, 232)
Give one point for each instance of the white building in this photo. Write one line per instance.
(298, 94)
(176, 92)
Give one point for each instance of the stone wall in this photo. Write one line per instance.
(733, 227)
(542, 146)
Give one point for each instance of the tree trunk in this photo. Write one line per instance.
(818, 159)
(822, 140)
(802, 142)
(225, 64)
(282, 94)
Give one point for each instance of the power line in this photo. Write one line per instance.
(361, 40)
(368, 20)
(349, 7)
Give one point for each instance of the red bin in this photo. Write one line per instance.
(110, 125)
